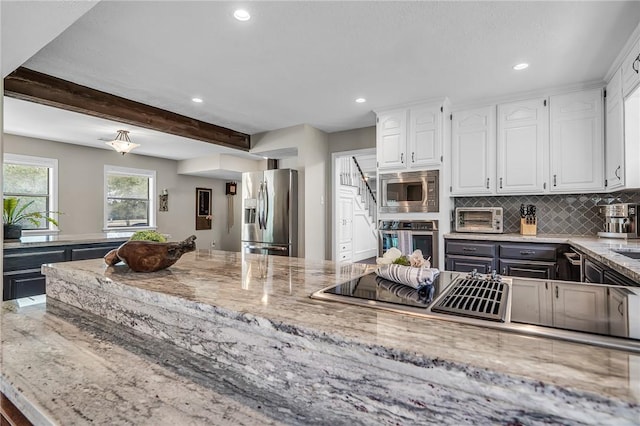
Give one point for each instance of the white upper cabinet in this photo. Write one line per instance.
(614, 135)
(410, 138)
(522, 147)
(424, 136)
(631, 70)
(577, 148)
(473, 151)
(391, 135)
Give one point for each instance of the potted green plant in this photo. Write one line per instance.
(14, 213)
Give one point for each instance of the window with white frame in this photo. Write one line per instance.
(34, 181)
(129, 198)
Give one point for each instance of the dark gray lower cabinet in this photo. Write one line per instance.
(610, 277)
(527, 260)
(25, 283)
(593, 273)
(530, 269)
(468, 263)
(22, 277)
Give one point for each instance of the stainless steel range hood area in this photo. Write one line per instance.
(595, 314)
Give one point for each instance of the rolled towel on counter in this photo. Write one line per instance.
(407, 275)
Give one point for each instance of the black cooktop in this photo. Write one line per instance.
(374, 288)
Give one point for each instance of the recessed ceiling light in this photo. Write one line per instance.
(361, 100)
(197, 100)
(241, 15)
(520, 67)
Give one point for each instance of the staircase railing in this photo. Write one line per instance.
(366, 194)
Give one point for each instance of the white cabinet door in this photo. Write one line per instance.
(580, 307)
(391, 135)
(473, 151)
(345, 226)
(345, 219)
(577, 148)
(424, 145)
(522, 147)
(631, 70)
(618, 321)
(614, 135)
(531, 302)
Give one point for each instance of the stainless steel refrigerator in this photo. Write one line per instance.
(270, 212)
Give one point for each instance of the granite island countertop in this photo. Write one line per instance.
(600, 249)
(249, 319)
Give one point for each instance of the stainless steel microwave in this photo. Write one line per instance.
(409, 192)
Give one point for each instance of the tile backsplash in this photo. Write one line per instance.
(574, 214)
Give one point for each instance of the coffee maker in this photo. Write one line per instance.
(620, 220)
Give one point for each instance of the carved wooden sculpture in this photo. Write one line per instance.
(149, 256)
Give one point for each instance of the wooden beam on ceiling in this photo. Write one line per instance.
(44, 89)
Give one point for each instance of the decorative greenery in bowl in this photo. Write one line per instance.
(148, 235)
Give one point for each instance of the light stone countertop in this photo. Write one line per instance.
(250, 317)
(600, 249)
(64, 239)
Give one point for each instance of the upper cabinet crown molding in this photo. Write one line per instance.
(33, 86)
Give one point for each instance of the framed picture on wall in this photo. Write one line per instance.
(204, 215)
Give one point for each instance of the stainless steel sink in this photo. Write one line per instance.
(631, 253)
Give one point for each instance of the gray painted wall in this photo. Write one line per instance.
(81, 183)
(351, 140)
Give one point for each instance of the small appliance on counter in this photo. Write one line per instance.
(479, 219)
(528, 220)
(620, 220)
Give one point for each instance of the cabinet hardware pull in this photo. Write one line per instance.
(487, 183)
(527, 252)
(556, 292)
(469, 249)
(413, 157)
(500, 183)
(555, 182)
(617, 175)
(504, 271)
(544, 185)
(633, 66)
(402, 157)
(546, 285)
(620, 310)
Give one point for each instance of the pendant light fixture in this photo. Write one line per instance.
(122, 143)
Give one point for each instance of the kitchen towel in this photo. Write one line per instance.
(407, 275)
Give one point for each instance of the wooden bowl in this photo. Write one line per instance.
(149, 256)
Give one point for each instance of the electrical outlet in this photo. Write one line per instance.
(213, 244)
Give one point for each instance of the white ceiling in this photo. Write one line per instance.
(306, 62)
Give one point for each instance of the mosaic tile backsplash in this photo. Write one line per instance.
(575, 214)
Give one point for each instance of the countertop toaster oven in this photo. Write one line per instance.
(479, 219)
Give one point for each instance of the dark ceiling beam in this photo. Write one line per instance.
(44, 89)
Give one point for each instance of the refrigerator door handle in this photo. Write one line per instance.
(261, 247)
(266, 204)
(260, 204)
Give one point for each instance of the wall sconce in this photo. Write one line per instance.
(163, 206)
